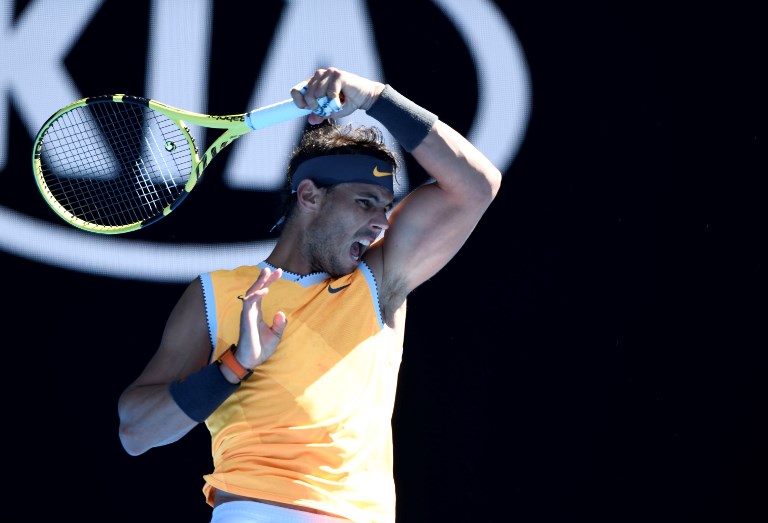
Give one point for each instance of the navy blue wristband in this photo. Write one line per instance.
(407, 122)
(202, 392)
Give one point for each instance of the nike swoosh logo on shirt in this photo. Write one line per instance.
(337, 289)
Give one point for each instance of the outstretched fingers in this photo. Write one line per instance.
(261, 286)
(258, 340)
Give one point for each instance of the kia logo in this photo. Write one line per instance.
(48, 30)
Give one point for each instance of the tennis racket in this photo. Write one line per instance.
(117, 163)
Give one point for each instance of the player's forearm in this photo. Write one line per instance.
(149, 417)
(458, 166)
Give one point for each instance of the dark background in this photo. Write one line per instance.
(596, 352)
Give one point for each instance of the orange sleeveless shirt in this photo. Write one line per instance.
(312, 425)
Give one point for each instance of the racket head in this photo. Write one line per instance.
(114, 163)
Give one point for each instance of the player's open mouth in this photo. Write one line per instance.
(358, 248)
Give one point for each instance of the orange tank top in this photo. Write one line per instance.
(312, 425)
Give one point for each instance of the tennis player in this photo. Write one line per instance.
(292, 362)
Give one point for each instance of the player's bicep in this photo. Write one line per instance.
(426, 231)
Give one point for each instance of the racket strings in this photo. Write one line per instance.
(115, 163)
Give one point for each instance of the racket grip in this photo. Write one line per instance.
(287, 110)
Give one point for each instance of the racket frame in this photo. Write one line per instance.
(234, 126)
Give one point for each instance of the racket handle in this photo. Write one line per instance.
(287, 110)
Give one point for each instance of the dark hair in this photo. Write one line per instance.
(329, 138)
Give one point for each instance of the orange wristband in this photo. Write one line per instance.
(228, 360)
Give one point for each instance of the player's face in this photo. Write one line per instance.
(352, 217)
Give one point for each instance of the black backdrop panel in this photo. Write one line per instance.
(594, 352)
